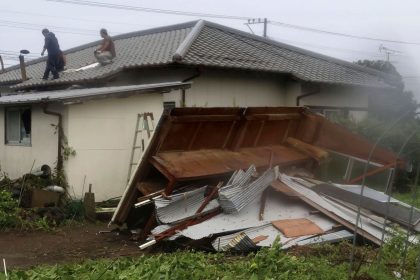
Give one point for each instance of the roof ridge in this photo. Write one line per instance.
(300, 50)
(188, 41)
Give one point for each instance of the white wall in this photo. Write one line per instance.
(101, 132)
(218, 88)
(17, 160)
(342, 96)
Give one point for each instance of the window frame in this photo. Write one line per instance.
(6, 122)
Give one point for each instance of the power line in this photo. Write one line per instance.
(31, 26)
(304, 28)
(72, 18)
(177, 12)
(150, 10)
(323, 47)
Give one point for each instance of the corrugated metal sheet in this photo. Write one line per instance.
(277, 207)
(372, 200)
(77, 94)
(328, 237)
(240, 243)
(222, 243)
(368, 224)
(235, 197)
(182, 205)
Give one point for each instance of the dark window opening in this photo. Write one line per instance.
(18, 126)
(169, 105)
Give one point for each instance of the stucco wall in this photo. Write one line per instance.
(235, 89)
(17, 160)
(101, 132)
(342, 96)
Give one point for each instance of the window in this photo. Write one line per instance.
(169, 105)
(18, 126)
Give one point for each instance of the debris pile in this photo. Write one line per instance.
(296, 209)
(237, 178)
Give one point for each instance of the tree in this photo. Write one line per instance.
(394, 103)
(384, 110)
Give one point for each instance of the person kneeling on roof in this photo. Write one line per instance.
(106, 51)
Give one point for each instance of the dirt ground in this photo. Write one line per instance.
(65, 245)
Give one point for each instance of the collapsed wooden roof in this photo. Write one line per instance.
(198, 143)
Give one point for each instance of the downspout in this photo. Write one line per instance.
(22, 67)
(316, 91)
(2, 64)
(60, 135)
(196, 75)
(311, 89)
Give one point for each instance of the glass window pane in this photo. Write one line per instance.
(25, 128)
(12, 126)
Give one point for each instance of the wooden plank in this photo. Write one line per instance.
(297, 227)
(274, 117)
(213, 162)
(204, 118)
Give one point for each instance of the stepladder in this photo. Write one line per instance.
(145, 127)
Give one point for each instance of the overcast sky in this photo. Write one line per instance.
(21, 22)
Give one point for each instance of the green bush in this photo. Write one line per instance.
(9, 211)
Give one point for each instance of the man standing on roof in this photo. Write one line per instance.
(106, 51)
(53, 48)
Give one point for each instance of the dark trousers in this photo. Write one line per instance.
(52, 64)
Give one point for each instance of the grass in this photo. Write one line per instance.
(317, 262)
(408, 197)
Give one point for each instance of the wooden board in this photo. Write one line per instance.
(297, 227)
(204, 163)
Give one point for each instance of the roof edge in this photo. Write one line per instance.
(188, 41)
(54, 98)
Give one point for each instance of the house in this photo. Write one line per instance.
(93, 109)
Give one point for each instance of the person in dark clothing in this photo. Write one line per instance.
(61, 62)
(53, 48)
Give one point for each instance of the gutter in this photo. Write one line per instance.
(60, 135)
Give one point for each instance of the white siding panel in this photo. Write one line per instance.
(101, 132)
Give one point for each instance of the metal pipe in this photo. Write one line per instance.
(413, 201)
(2, 64)
(183, 91)
(313, 92)
(22, 67)
(60, 135)
(372, 150)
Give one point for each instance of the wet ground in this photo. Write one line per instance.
(64, 245)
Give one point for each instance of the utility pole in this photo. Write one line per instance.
(258, 21)
(387, 51)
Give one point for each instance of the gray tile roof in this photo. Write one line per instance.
(202, 43)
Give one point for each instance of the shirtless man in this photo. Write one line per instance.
(106, 51)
